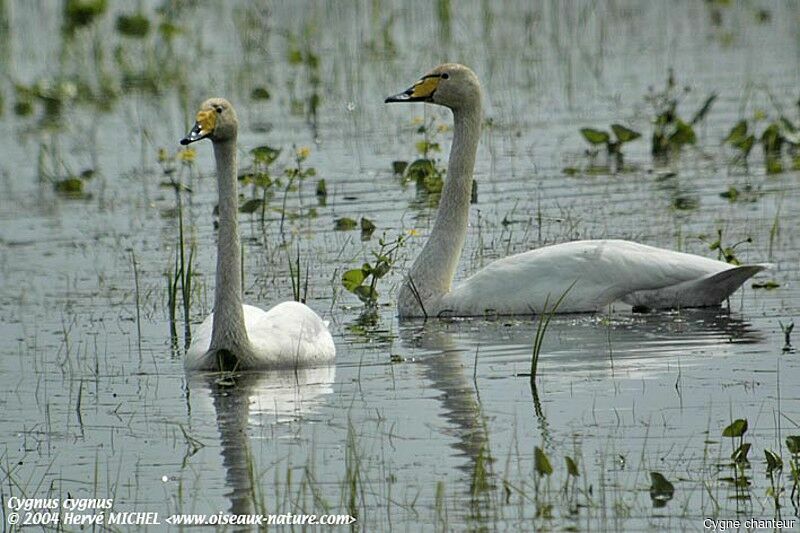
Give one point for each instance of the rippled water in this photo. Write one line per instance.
(427, 425)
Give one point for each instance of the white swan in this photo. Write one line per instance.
(236, 336)
(602, 271)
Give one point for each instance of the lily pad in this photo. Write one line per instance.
(345, 224)
(594, 136)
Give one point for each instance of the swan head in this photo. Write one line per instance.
(216, 120)
(452, 85)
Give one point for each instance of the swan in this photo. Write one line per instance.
(237, 336)
(589, 274)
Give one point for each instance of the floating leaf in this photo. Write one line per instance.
(746, 144)
(685, 203)
(683, 134)
(262, 179)
(774, 461)
(399, 167)
(737, 428)
(594, 136)
(541, 462)
(739, 455)
(169, 30)
(731, 194)
(793, 444)
(768, 285)
(69, 186)
(624, 134)
(353, 278)
(737, 134)
(570, 171)
(259, 93)
(136, 25)
(420, 169)
(381, 269)
(660, 487)
(345, 224)
(771, 140)
(251, 206)
(367, 226)
(265, 154)
(572, 467)
(79, 13)
(366, 293)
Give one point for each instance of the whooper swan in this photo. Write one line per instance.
(236, 336)
(596, 272)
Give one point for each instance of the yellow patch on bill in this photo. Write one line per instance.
(207, 120)
(425, 87)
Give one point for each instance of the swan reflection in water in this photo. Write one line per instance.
(636, 345)
(242, 400)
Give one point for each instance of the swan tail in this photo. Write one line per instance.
(708, 291)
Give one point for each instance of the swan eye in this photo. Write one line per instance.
(218, 109)
(445, 76)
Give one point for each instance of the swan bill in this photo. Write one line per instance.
(203, 127)
(422, 91)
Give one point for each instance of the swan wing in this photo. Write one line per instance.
(289, 335)
(602, 271)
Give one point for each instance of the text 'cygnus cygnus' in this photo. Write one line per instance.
(591, 274)
(236, 336)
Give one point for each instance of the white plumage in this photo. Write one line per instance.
(589, 274)
(237, 336)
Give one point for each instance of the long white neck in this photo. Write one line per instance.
(434, 268)
(228, 332)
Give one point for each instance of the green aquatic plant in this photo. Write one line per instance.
(543, 469)
(425, 171)
(613, 145)
(774, 473)
(670, 131)
(260, 178)
(739, 462)
(73, 186)
(180, 275)
(308, 62)
(81, 13)
(793, 445)
(726, 253)
(747, 194)
(296, 174)
(297, 282)
(363, 281)
(52, 95)
(787, 336)
(136, 25)
(321, 192)
(541, 328)
(778, 134)
(345, 224)
(661, 489)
